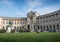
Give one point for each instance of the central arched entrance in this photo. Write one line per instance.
(28, 27)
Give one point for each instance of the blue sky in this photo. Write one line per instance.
(20, 8)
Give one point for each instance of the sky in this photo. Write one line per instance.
(20, 8)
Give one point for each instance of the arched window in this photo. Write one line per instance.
(15, 27)
(44, 26)
(53, 26)
(28, 26)
(41, 27)
(3, 27)
(47, 28)
(54, 30)
(23, 27)
(57, 26)
(50, 27)
(38, 27)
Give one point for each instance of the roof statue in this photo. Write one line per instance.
(32, 13)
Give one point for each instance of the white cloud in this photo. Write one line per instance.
(8, 8)
(20, 13)
(5, 2)
(31, 4)
(12, 10)
(47, 9)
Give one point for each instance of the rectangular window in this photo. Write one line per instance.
(15, 22)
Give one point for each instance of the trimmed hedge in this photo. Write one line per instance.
(12, 31)
(2, 31)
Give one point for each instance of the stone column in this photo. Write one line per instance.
(59, 27)
(52, 26)
(32, 27)
(56, 27)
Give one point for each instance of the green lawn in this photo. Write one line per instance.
(30, 37)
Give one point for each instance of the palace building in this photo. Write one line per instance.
(34, 21)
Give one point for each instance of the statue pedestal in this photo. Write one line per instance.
(9, 29)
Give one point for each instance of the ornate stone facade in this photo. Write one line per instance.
(34, 21)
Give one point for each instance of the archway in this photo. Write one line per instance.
(28, 26)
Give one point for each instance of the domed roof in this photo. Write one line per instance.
(31, 13)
